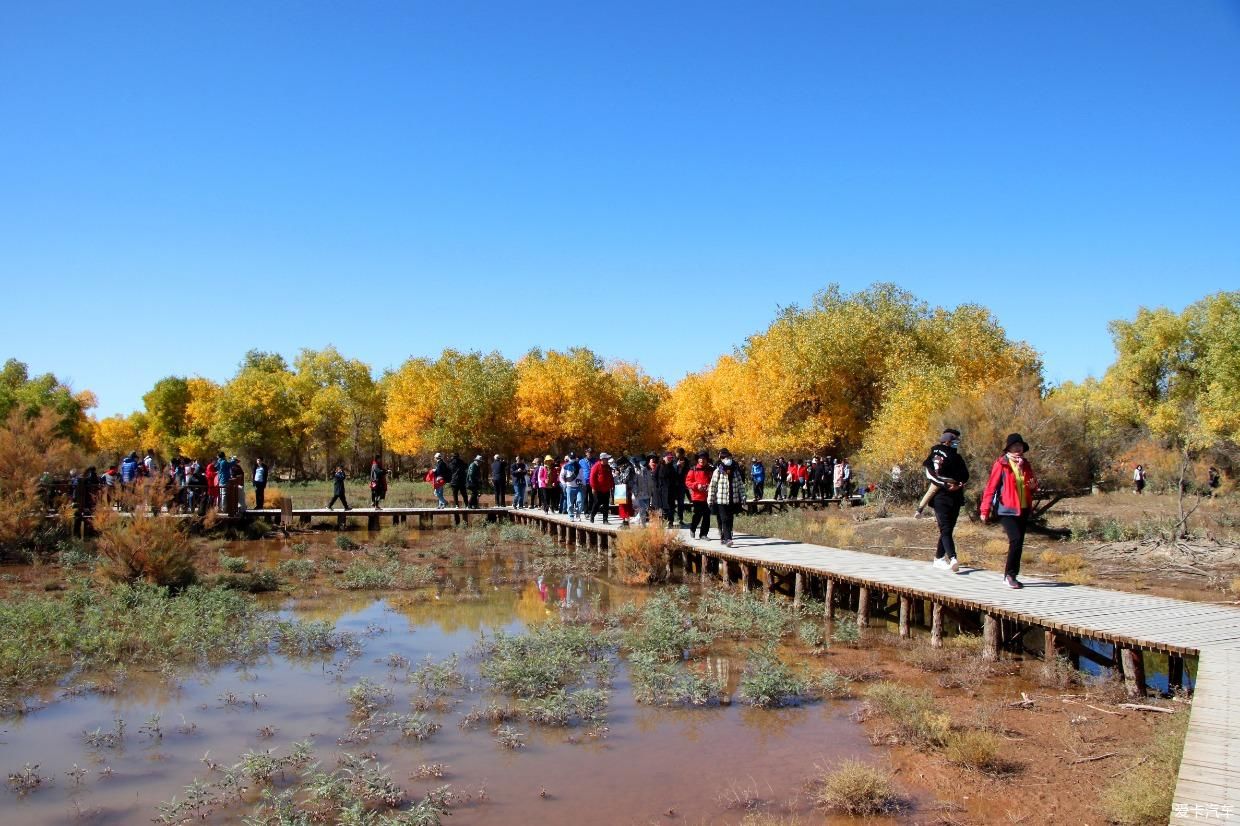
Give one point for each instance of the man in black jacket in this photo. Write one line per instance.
(947, 471)
(457, 468)
(499, 479)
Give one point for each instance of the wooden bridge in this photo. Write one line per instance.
(1048, 619)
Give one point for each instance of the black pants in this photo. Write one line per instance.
(499, 486)
(602, 504)
(472, 500)
(339, 496)
(725, 516)
(946, 512)
(457, 495)
(679, 500)
(260, 488)
(758, 490)
(1014, 527)
(701, 515)
(587, 500)
(793, 489)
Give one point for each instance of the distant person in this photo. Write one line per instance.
(151, 464)
(378, 482)
(838, 479)
(697, 483)
(586, 464)
(236, 479)
(499, 479)
(84, 493)
(260, 483)
(726, 495)
(457, 466)
(1009, 498)
(473, 481)
(223, 472)
(1214, 481)
(570, 471)
(947, 474)
(1138, 479)
(602, 482)
(439, 480)
(780, 474)
(644, 491)
(622, 472)
(757, 474)
(129, 471)
(683, 466)
(549, 479)
(338, 479)
(519, 473)
(666, 480)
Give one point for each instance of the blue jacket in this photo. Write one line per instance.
(129, 469)
(583, 478)
(757, 473)
(223, 469)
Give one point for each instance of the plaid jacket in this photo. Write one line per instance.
(726, 487)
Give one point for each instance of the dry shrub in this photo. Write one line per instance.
(643, 553)
(273, 498)
(29, 447)
(1234, 587)
(978, 750)
(855, 788)
(144, 547)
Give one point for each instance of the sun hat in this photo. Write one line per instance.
(1014, 439)
(549, 458)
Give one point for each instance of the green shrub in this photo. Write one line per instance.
(299, 569)
(233, 564)
(912, 713)
(345, 544)
(744, 616)
(665, 628)
(767, 681)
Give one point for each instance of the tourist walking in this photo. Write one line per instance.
(338, 489)
(570, 471)
(518, 471)
(1009, 498)
(456, 467)
(697, 483)
(586, 464)
(260, 483)
(948, 474)
(473, 481)
(683, 466)
(1138, 478)
(795, 478)
(602, 483)
(666, 482)
(622, 472)
(499, 479)
(726, 494)
(439, 480)
(223, 472)
(757, 475)
(129, 471)
(644, 492)
(378, 482)
(780, 474)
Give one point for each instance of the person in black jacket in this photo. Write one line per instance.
(338, 488)
(666, 483)
(947, 471)
(456, 467)
(473, 480)
(499, 479)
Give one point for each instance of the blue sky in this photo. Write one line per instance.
(182, 182)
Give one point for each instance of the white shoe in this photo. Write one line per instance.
(954, 565)
(940, 563)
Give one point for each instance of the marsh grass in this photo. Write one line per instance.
(978, 750)
(911, 712)
(855, 788)
(144, 547)
(768, 681)
(1142, 796)
(665, 629)
(743, 615)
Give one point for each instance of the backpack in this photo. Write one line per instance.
(570, 472)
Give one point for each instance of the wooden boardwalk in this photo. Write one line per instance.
(1208, 788)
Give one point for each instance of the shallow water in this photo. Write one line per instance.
(690, 765)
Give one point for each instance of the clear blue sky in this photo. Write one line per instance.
(181, 182)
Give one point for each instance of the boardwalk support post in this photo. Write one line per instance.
(1134, 671)
(863, 607)
(830, 607)
(1175, 672)
(905, 610)
(797, 589)
(990, 637)
(936, 625)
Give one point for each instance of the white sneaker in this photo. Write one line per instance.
(940, 563)
(954, 565)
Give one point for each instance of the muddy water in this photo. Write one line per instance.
(691, 765)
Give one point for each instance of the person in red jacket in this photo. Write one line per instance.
(602, 483)
(1009, 498)
(697, 483)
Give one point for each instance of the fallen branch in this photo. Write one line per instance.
(1092, 759)
(1023, 702)
(1139, 707)
(1095, 708)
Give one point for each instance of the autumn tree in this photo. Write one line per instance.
(460, 401)
(165, 419)
(256, 413)
(566, 400)
(34, 395)
(340, 406)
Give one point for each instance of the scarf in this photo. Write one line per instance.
(1019, 478)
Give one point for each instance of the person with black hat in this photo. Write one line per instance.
(948, 475)
(1009, 498)
(726, 494)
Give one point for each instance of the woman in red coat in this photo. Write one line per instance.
(697, 483)
(602, 483)
(1009, 498)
